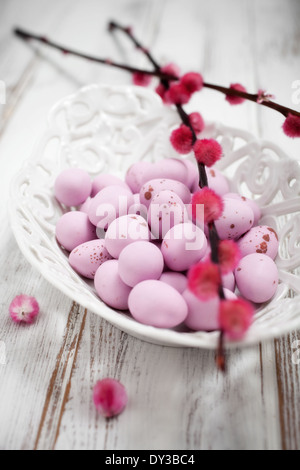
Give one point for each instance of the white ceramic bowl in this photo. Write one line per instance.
(104, 128)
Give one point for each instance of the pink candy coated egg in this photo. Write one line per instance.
(217, 181)
(85, 259)
(254, 206)
(261, 240)
(110, 287)
(139, 262)
(138, 174)
(137, 208)
(237, 219)
(257, 277)
(124, 231)
(155, 186)
(73, 229)
(165, 211)
(157, 304)
(228, 281)
(183, 245)
(108, 204)
(204, 315)
(85, 206)
(105, 179)
(72, 187)
(192, 180)
(177, 280)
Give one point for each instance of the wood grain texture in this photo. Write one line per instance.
(177, 399)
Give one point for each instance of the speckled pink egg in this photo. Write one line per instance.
(157, 304)
(138, 174)
(170, 168)
(228, 281)
(165, 211)
(72, 187)
(257, 277)
(250, 202)
(217, 181)
(192, 180)
(177, 280)
(261, 240)
(237, 219)
(108, 204)
(85, 259)
(183, 245)
(137, 208)
(204, 316)
(110, 287)
(73, 229)
(124, 231)
(106, 179)
(139, 262)
(155, 186)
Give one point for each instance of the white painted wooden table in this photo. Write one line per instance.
(177, 398)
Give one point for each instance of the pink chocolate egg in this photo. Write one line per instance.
(257, 277)
(165, 211)
(155, 186)
(157, 304)
(228, 281)
(254, 206)
(192, 180)
(124, 231)
(85, 206)
(217, 181)
(72, 187)
(204, 315)
(140, 261)
(108, 204)
(105, 179)
(183, 245)
(177, 280)
(237, 219)
(261, 240)
(73, 229)
(137, 208)
(85, 259)
(110, 287)
(138, 174)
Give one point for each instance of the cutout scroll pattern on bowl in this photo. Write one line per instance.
(105, 129)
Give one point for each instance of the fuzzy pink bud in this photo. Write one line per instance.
(192, 82)
(197, 122)
(182, 139)
(235, 317)
(229, 255)
(110, 397)
(212, 202)
(141, 79)
(177, 94)
(204, 280)
(171, 69)
(24, 309)
(233, 100)
(291, 126)
(207, 151)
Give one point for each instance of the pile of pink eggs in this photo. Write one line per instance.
(137, 240)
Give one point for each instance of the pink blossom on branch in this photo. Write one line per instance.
(141, 79)
(229, 255)
(197, 122)
(207, 151)
(213, 205)
(192, 82)
(24, 309)
(171, 69)
(291, 126)
(204, 280)
(182, 139)
(233, 100)
(235, 317)
(177, 94)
